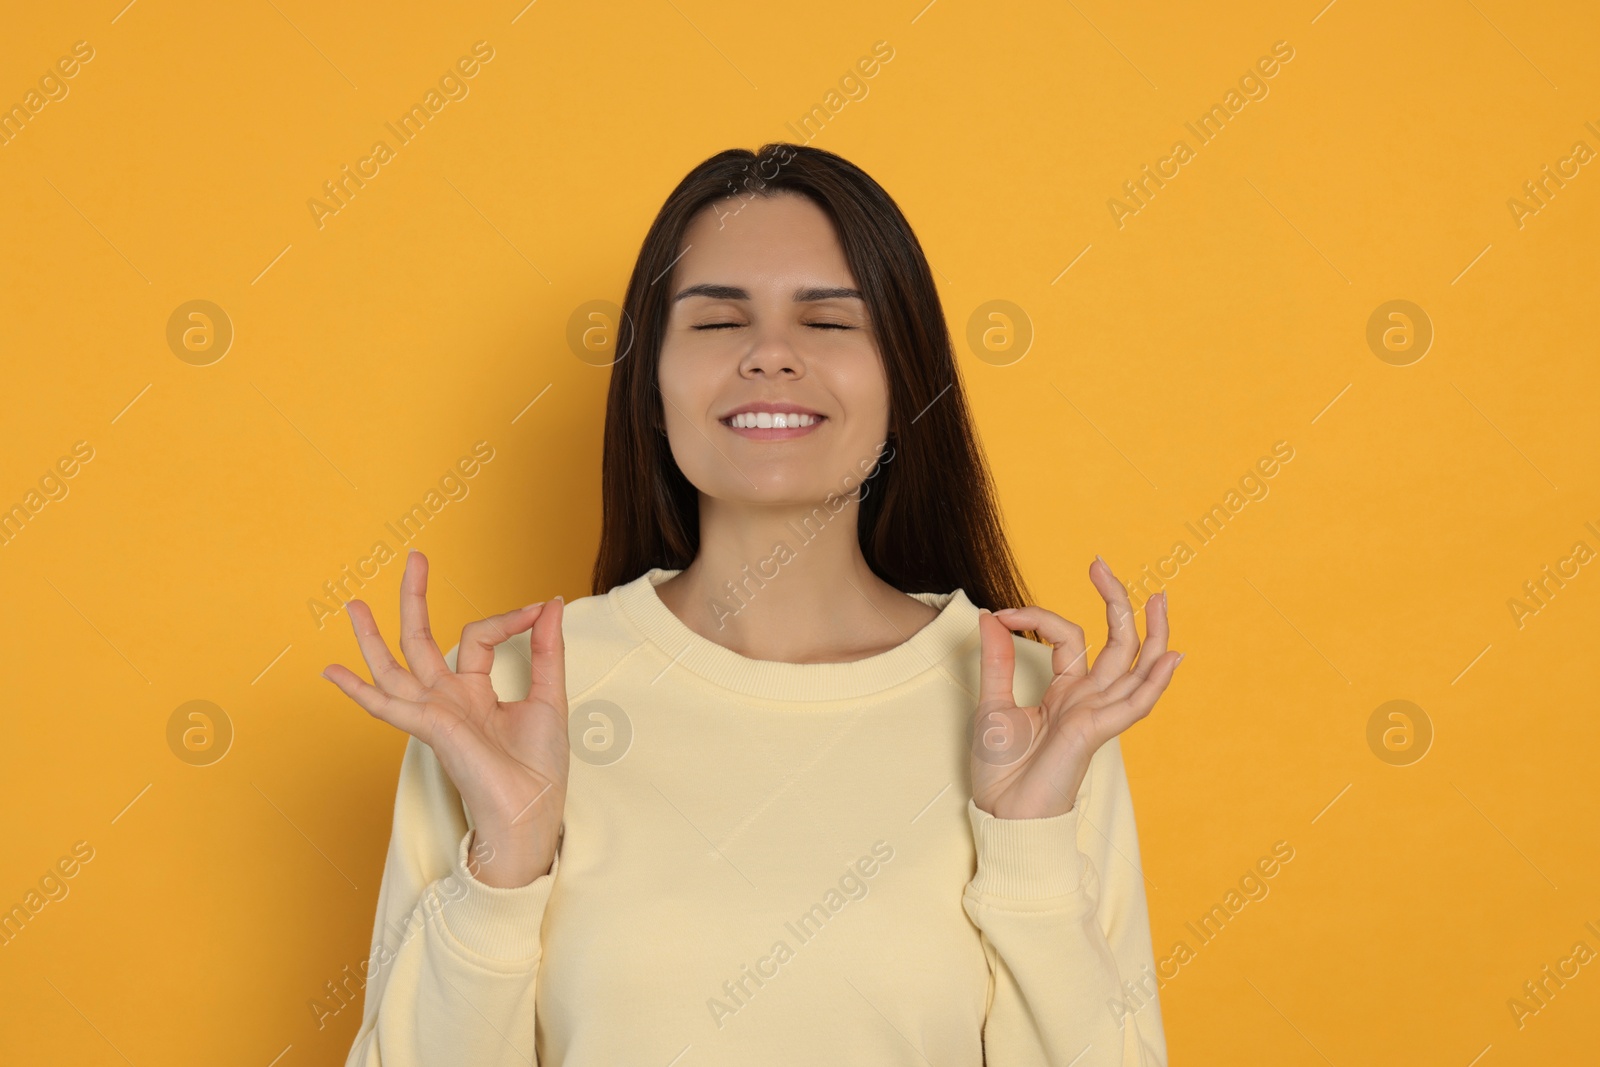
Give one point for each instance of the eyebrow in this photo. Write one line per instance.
(801, 296)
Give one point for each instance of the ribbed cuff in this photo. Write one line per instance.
(496, 922)
(1026, 859)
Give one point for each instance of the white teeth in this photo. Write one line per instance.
(768, 420)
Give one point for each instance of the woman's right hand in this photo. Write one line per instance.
(507, 759)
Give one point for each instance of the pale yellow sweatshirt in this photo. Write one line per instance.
(767, 863)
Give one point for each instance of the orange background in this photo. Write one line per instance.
(432, 310)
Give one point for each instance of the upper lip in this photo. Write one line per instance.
(774, 406)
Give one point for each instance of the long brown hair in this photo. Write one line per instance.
(929, 521)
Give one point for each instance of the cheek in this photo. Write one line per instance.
(688, 384)
(862, 388)
(683, 380)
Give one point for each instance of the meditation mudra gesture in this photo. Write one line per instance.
(796, 783)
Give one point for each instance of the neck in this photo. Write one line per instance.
(789, 583)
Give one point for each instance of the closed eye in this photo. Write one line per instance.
(817, 325)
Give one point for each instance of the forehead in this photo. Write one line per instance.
(782, 238)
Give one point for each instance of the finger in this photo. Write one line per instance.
(998, 663)
(1002, 733)
(1155, 634)
(416, 637)
(396, 711)
(1118, 716)
(386, 670)
(475, 654)
(548, 649)
(1155, 645)
(1122, 636)
(1070, 655)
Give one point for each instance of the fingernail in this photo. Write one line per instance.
(1179, 659)
(325, 675)
(560, 599)
(530, 607)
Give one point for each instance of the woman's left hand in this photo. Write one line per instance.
(1027, 763)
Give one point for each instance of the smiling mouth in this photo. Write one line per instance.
(769, 420)
(773, 425)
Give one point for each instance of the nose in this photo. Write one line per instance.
(772, 355)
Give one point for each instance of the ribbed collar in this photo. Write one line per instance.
(956, 623)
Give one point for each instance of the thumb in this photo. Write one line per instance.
(547, 650)
(1002, 733)
(997, 662)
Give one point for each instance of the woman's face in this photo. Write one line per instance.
(764, 320)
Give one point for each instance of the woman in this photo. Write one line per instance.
(768, 795)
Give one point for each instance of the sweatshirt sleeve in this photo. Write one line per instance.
(1061, 906)
(454, 962)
